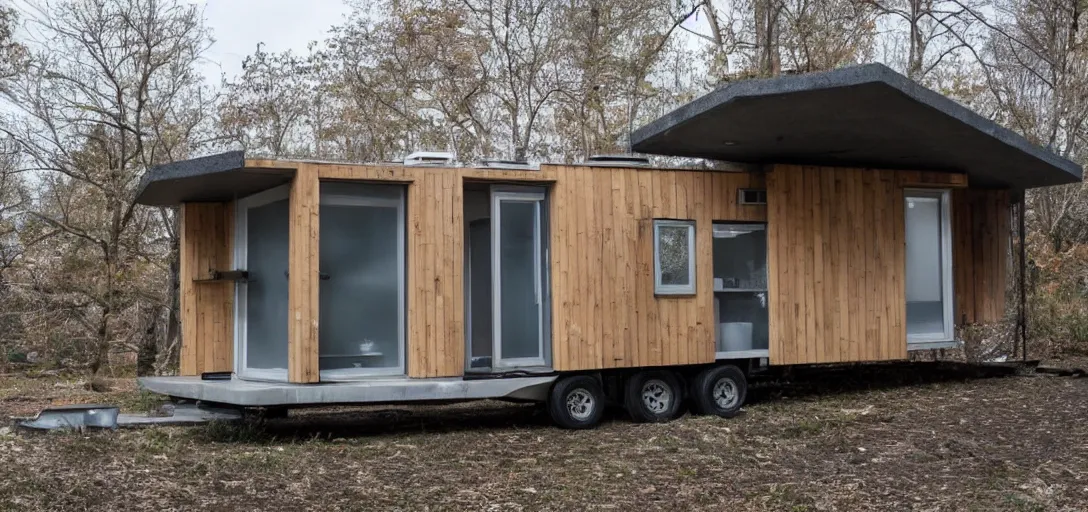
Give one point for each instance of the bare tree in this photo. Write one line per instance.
(109, 90)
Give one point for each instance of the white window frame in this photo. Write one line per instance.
(334, 199)
(719, 292)
(498, 196)
(241, 225)
(674, 289)
(923, 341)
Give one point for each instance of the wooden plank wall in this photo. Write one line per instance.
(207, 314)
(596, 324)
(604, 311)
(835, 240)
(303, 283)
(435, 338)
(980, 252)
(836, 255)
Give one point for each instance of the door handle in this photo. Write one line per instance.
(320, 275)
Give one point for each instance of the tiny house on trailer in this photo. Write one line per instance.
(868, 218)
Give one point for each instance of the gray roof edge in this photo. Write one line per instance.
(842, 77)
(846, 77)
(193, 167)
(954, 109)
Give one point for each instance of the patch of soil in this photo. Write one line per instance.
(835, 439)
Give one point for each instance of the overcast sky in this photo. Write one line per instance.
(238, 25)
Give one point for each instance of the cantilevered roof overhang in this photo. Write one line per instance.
(861, 116)
(219, 177)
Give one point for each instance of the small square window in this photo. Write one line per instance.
(674, 257)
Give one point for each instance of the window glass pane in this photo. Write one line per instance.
(266, 289)
(740, 257)
(924, 278)
(673, 256)
(360, 287)
(519, 307)
(742, 321)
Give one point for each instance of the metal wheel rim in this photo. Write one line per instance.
(656, 396)
(580, 404)
(725, 393)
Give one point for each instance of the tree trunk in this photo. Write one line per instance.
(148, 350)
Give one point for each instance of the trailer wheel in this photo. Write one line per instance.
(576, 402)
(653, 396)
(719, 390)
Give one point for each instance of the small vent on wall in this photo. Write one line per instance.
(752, 196)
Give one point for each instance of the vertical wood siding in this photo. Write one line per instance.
(836, 263)
(604, 311)
(980, 251)
(835, 257)
(303, 283)
(207, 314)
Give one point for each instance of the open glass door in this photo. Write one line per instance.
(519, 293)
(260, 305)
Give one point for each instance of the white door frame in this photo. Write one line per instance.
(498, 195)
(241, 225)
(398, 203)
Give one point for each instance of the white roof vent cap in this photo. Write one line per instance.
(618, 160)
(435, 158)
(508, 164)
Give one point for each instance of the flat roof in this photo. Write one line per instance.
(220, 177)
(860, 116)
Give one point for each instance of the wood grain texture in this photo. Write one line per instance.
(980, 252)
(303, 283)
(835, 253)
(930, 179)
(836, 259)
(604, 311)
(207, 308)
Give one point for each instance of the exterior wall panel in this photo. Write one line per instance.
(980, 252)
(207, 308)
(604, 311)
(836, 263)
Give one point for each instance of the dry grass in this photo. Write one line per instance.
(835, 442)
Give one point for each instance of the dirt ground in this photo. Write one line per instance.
(875, 439)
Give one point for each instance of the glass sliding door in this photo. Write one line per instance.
(518, 285)
(260, 305)
(740, 289)
(929, 265)
(362, 280)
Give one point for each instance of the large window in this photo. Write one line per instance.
(929, 267)
(261, 248)
(674, 257)
(361, 280)
(740, 288)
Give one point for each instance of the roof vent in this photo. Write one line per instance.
(618, 161)
(429, 158)
(508, 164)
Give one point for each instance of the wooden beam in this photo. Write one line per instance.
(303, 280)
(930, 179)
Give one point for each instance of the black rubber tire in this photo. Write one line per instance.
(702, 391)
(638, 410)
(562, 391)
